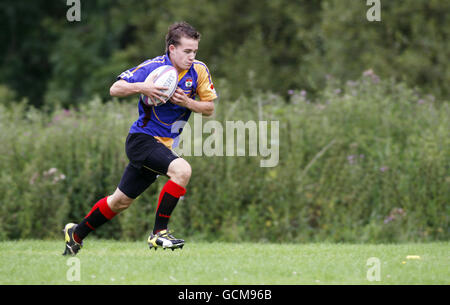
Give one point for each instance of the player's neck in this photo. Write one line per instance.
(179, 70)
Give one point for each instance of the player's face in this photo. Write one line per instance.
(183, 55)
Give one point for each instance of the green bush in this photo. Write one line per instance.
(365, 162)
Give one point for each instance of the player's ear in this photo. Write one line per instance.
(171, 48)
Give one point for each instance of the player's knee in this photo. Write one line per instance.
(119, 201)
(183, 172)
(180, 171)
(125, 202)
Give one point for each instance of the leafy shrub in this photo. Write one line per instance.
(364, 162)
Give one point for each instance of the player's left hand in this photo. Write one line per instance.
(179, 98)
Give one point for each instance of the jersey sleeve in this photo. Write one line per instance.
(205, 86)
(136, 74)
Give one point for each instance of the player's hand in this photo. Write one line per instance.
(153, 92)
(179, 98)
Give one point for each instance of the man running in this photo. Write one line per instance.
(150, 140)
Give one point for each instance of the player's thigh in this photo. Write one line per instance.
(135, 181)
(160, 158)
(145, 151)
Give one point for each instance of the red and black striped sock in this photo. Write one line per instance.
(99, 214)
(168, 199)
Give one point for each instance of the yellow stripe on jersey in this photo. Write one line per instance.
(164, 123)
(182, 74)
(157, 60)
(205, 87)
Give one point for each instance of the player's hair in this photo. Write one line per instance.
(178, 30)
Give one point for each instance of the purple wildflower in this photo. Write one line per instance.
(351, 159)
(369, 73)
(396, 213)
(384, 169)
(351, 83)
(388, 219)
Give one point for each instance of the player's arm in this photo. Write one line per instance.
(204, 107)
(122, 88)
(205, 91)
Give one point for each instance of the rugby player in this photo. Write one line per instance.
(150, 140)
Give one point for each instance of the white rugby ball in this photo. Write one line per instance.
(166, 76)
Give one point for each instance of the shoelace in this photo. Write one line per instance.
(168, 234)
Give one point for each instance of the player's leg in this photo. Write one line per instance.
(179, 172)
(165, 162)
(74, 234)
(134, 181)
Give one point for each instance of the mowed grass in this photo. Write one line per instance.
(114, 262)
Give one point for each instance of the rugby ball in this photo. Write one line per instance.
(165, 76)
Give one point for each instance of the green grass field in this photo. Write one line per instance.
(113, 262)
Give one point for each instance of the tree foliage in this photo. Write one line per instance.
(277, 45)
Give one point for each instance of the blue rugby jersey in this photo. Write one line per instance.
(158, 121)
